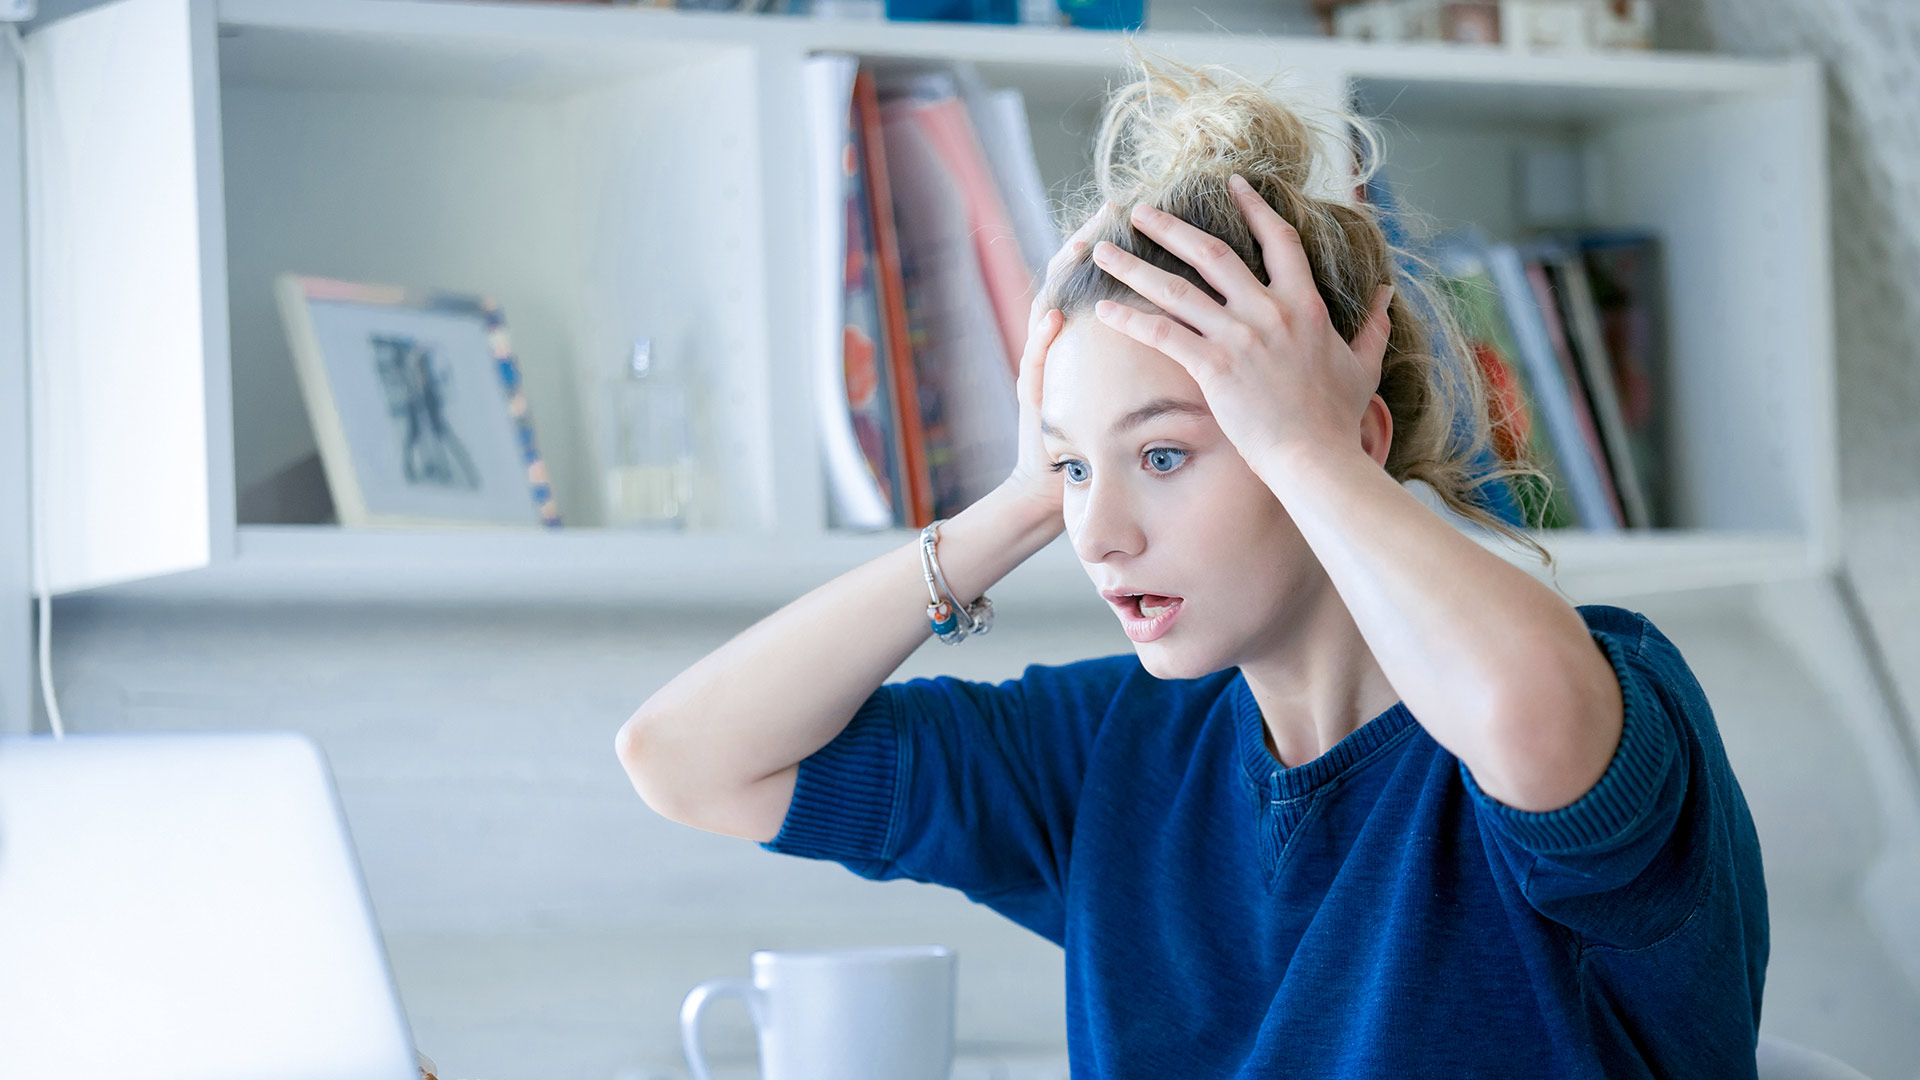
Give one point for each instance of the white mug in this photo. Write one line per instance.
(865, 1013)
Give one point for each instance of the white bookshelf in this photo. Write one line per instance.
(610, 172)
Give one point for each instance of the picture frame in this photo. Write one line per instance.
(417, 405)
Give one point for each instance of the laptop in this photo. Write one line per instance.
(186, 905)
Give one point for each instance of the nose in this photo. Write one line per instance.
(1106, 522)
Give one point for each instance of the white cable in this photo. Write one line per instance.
(35, 412)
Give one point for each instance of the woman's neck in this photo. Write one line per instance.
(1318, 683)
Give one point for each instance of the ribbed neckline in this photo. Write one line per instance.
(1263, 771)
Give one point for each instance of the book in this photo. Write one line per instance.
(932, 201)
(869, 377)
(1476, 303)
(857, 494)
(1566, 420)
(1624, 275)
(942, 121)
(968, 402)
(915, 510)
(1582, 320)
(1581, 408)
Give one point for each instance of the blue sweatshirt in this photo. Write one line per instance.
(1369, 913)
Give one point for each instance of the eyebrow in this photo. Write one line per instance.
(1158, 407)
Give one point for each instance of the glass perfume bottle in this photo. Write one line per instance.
(654, 452)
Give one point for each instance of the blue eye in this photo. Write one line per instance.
(1149, 454)
(1166, 450)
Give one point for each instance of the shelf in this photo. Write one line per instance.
(726, 570)
(759, 572)
(565, 44)
(610, 172)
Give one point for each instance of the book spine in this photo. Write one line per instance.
(1584, 321)
(893, 306)
(870, 397)
(1592, 451)
(1623, 269)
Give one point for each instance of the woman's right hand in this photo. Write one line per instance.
(1033, 475)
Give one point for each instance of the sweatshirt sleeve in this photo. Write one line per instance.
(961, 783)
(1627, 862)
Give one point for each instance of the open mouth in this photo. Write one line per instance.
(1146, 616)
(1153, 605)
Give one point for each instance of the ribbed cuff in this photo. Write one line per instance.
(1623, 793)
(846, 793)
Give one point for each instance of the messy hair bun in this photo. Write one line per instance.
(1172, 137)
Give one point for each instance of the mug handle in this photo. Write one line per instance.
(697, 1000)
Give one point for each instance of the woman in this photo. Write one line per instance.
(1365, 800)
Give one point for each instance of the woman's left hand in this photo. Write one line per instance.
(1273, 369)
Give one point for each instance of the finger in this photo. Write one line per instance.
(1074, 246)
(1205, 252)
(1370, 344)
(1170, 292)
(1081, 237)
(1288, 272)
(1189, 349)
(1033, 363)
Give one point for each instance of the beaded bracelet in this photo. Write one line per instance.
(946, 611)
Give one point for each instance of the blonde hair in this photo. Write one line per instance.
(1172, 137)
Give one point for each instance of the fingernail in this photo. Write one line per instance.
(1239, 183)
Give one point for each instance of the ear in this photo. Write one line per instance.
(1376, 430)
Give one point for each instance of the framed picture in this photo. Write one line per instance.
(417, 405)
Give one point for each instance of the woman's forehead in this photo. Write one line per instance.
(1160, 407)
(1098, 383)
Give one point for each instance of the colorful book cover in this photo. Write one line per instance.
(916, 511)
(1476, 304)
(869, 377)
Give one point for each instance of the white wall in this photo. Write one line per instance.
(545, 923)
(1871, 49)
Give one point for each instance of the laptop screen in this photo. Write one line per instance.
(186, 904)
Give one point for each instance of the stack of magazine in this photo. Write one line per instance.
(935, 231)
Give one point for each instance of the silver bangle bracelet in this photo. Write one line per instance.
(951, 620)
